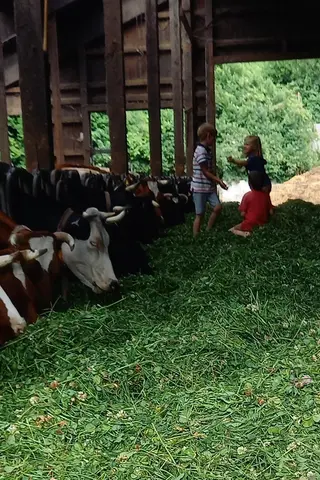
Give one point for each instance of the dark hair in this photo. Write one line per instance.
(256, 180)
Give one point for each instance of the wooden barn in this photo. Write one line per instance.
(61, 60)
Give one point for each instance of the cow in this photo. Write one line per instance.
(16, 293)
(45, 271)
(89, 261)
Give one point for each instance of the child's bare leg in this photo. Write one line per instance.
(236, 230)
(213, 217)
(197, 224)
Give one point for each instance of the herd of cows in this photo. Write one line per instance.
(76, 223)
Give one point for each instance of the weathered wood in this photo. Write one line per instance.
(209, 69)
(188, 88)
(84, 105)
(55, 88)
(153, 87)
(34, 85)
(176, 72)
(11, 69)
(4, 137)
(115, 85)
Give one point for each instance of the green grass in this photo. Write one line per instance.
(191, 375)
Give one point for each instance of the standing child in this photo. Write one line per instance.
(255, 206)
(203, 180)
(255, 162)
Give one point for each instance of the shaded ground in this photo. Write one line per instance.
(192, 375)
(304, 187)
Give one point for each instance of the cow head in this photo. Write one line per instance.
(89, 260)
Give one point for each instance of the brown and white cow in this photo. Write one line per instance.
(16, 293)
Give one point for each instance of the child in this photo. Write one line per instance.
(203, 180)
(255, 162)
(255, 206)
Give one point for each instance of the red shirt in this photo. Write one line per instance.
(256, 206)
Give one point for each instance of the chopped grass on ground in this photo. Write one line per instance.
(192, 374)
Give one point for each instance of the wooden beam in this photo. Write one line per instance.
(115, 85)
(34, 85)
(4, 136)
(177, 95)
(84, 104)
(153, 87)
(188, 90)
(55, 88)
(186, 24)
(209, 69)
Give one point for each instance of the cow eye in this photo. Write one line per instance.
(93, 243)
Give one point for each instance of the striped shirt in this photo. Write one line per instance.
(200, 183)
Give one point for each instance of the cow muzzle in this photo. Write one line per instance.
(111, 287)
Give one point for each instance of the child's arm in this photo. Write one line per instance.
(240, 163)
(210, 176)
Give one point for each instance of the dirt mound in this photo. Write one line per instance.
(304, 187)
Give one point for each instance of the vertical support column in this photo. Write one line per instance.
(4, 136)
(84, 105)
(34, 85)
(188, 86)
(176, 74)
(209, 73)
(115, 85)
(55, 89)
(154, 102)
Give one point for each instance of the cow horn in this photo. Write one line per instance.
(132, 187)
(29, 255)
(168, 195)
(116, 218)
(155, 204)
(105, 215)
(182, 195)
(65, 237)
(119, 208)
(7, 259)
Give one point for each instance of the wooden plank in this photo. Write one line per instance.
(4, 137)
(34, 85)
(84, 105)
(115, 85)
(55, 89)
(177, 94)
(153, 87)
(188, 89)
(11, 69)
(209, 73)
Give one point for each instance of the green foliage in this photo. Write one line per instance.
(258, 98)
(137, 137)
(302, 77)
(192, 375)
(17, 152)
(250, 103)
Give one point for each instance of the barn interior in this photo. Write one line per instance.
(61, 60)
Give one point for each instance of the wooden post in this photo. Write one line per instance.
(188, 85)
(84, 105)
(209, 74)
(4, 137)
(34, 85)
(55, 88)
(115, 85)
(176, 74)
(154, 103)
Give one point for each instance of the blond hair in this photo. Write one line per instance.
(204, 130)
(255, 141)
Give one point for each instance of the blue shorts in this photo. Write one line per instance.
(200, 200)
